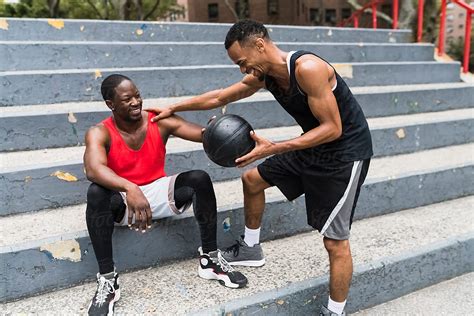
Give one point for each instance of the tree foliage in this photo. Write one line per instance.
(456, 51)
(93, 9)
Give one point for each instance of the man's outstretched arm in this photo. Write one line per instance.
(213, 99)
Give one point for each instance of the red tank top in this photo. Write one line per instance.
(141, 166)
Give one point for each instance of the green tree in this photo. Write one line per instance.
(93, 9)
(456, 51)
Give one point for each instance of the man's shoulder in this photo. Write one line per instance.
(97, 133)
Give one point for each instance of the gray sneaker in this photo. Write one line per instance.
(326, 312)
(242, 255)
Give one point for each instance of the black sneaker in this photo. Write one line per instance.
(213, 266)
(107, 293)
(240, 254)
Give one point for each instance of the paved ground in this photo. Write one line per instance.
(453, 297)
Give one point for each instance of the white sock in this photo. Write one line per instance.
(252, 236)
(336, 307)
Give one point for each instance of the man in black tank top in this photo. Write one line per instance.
(328, 163)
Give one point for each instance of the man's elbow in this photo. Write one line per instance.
(90, 174)
(335, 132)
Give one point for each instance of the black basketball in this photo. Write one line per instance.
(227, 138)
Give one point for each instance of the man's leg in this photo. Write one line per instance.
(103, 208)
(254, 197)
(340, 268)
(248, 252)
(196, 186)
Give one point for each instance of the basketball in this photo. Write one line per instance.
(227, 138)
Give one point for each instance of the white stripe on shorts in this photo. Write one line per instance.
(344, 197)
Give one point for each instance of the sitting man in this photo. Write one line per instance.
(125, 160)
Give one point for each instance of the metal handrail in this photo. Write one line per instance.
(355, 16)
(442, 26)
(467, 36)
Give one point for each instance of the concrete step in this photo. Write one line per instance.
(30, 179)
(53, 248)
(446, 298)
(68, 85)
(411, 130)
(96, 30)
(393, 254)
(58, 125)
(76, 54)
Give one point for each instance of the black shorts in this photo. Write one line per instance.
(331, 187)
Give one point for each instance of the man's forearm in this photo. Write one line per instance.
(107, 178)
(317, 136)
(205, 101)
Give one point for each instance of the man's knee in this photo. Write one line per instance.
(97, 194)
(253, 182)
(337, 247)
(198, 178)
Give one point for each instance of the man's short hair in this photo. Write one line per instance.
(243, 31)
(110, 83)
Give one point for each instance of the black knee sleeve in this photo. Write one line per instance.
(196, 186)
(104, 206)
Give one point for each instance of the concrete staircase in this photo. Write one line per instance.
(414, 223)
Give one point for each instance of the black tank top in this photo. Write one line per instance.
(355, 142)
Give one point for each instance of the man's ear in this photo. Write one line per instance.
(260, 44)
(110, 105)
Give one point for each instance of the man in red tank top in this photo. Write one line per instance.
(125, 160)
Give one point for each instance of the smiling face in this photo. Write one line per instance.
(126, 102)
(250, 57)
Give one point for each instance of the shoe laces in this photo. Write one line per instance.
(234, 249)
(104, 288)
(220, 260)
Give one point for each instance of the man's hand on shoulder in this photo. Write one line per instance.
(161, 113)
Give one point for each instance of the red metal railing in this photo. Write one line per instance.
(467, 35)
(354, 18)
(356, 15)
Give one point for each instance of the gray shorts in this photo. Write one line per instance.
(331, 188)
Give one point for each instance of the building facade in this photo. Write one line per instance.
(455, 22)
(289, 12)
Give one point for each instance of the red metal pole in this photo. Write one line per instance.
(442, 28)
(467, 42)
(356, 22)
(420, 20)
(374, 15)
(395, 14)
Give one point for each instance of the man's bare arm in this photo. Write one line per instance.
(179, 127)
(95, 162)
(97, 171)
(312, 76)
(213, 99)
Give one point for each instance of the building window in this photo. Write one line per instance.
(346, 13)
(272, 7)
(314, 16)
(242, 9)
(330, 16)
(460, 26)
(213, 11)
